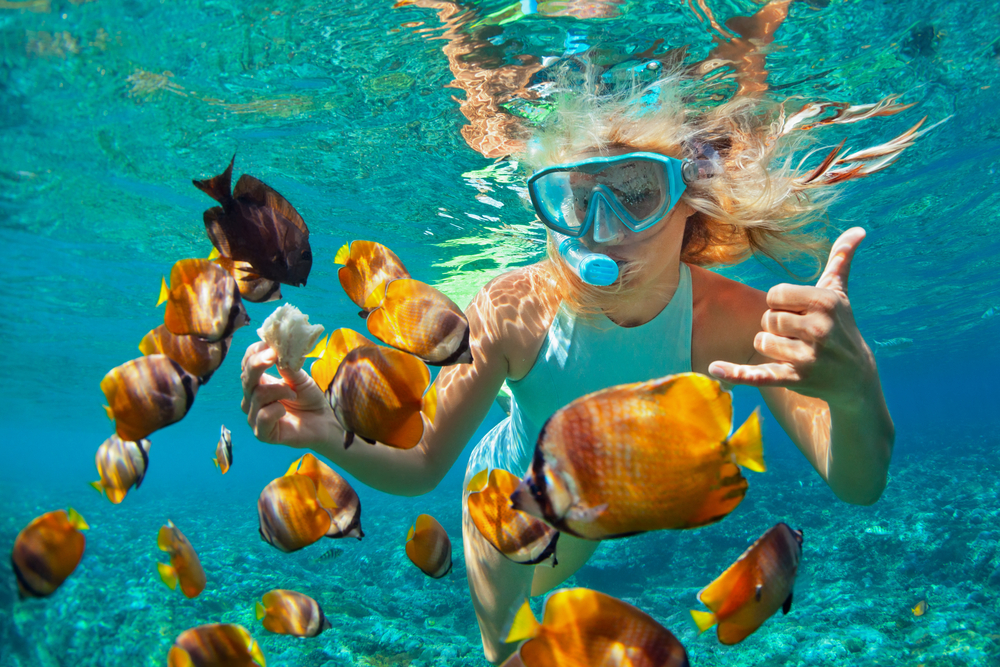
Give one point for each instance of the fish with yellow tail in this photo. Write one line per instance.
(346, 506)
(639, 457)
(330, 351)
(224, 451)
(202, 300)
(147, 394)
(367, 267)
(252, 287)
(583, 628)
(293, 512)
(121, 464)
(291, 613)
(920, 608)
(184, 568)
(258, 226)
(47, 551)
(429, 547)
(753, 588)
(216, 645)
(419, 319)
(195, 355)
(382, 395)
(518, 536)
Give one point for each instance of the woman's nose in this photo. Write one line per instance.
(607, 227)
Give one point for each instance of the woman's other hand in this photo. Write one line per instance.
(290, 410)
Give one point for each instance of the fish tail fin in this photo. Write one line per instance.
(215, 461)
(430, 402)
(76, 519)
(343, 254)
(747, 444)
(164, 292)
(97, 486)
(219, 187)
(524, 626)
(168, 575)
(703, 619)
(479, 481)
(257, 654)
(261, 612)
(319, 349)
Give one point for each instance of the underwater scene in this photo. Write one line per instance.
(399, 123)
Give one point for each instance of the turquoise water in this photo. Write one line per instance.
(108, 110)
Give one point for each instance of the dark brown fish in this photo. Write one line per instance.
(195, 355)
(258, 226)
(47, 551)
(146, 394)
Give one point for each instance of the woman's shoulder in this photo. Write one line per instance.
(726, 318)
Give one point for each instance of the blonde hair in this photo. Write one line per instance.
(760, 201)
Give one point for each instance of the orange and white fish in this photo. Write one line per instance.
(584, 628)
(291, 613)
(419, 319)
(754, 587)
(202, 300)
(252, 287)
(368, 266)
(146, 394)
(184, 568)
(429, 547)
(195, 355)
(293, 513)
(121, 464)
(46, 552)
(216, 645)
(520, 537)
(639, 457)
(224, 451)
(331, 351)
(346, 504)
(382, 395)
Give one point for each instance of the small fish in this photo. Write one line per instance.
(992, 311)
(195, 355)
(252, 287)
(47, 551)
(293, 513)
(382, 395)
(347, 505)
(202, 300)
(331, 351)
(920, 609)
(184, 568)
(146, 394)
(639, 457)
(258, 226)
(224, 451)
(216, 645)
(291, 613)
(416, 318)
(429, 547)
(754, 587)
(893, 344)
(584, 628)
(121, 464)
(520, 537)
(368, 266)
(877, 530)
(330, 554)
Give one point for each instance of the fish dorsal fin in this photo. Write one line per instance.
(164, 292)
(479, 481)
(261, 193)
(747, 444)
(218, 187)
(524, 626)
(343, 254)
(294, 468)
(76, 519)
(430, 403)
(703, 619)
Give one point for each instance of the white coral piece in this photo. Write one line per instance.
(288, 331)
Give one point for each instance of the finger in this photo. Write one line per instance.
(261, 401)
(800, 298)
(254, 368)
(784, 349)
(838, 267)
(265, 424)
(775, 374)
(294, 379)
(252, 350)
(782, 323)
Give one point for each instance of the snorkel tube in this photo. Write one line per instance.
(592, 267)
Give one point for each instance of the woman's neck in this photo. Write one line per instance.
(654, 287)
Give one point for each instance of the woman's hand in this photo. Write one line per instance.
(811, 338)
(290, 410)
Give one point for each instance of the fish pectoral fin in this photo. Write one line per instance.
(168, 575)
(787, 605)
(164, 292)
(348, 439)
(747, 444)
(524, 625)
(703, 619)
(585, 514)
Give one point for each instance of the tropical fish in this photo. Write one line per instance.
(224, 451)
(347, 505)
(122, 464)
(252, 287)
(368, 266)
(920, 609)
(195, 355)
(184, 568)
(258, 226)
(291, 613)
(202, 300)
(584, 628)
(754, 587)
(47, 551)
(331, 351)
(146, 394)
(520, 537)
(216, 645)
(381, 395)
(639, 457)
(330, 554)
(293, 513)
(416, 318)
(428, 547)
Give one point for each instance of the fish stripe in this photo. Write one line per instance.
(24, 582)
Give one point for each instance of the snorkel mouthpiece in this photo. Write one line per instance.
(592, 267)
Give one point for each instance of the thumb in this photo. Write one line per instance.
(294, 379)
(838, 266)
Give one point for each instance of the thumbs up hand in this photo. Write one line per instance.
(810, 336)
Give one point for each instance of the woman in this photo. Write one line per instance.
(553, 338)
